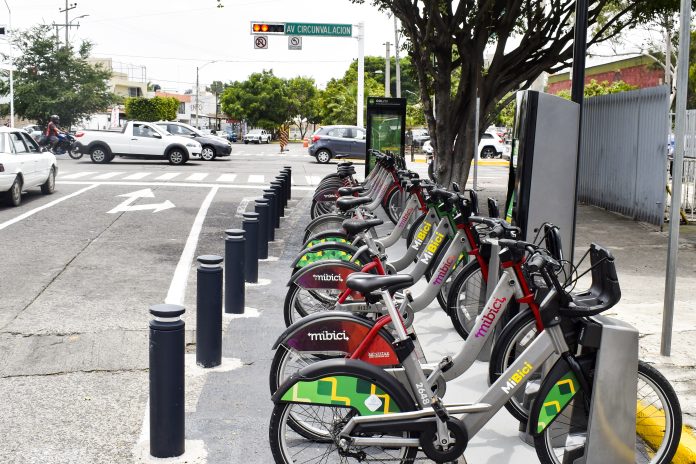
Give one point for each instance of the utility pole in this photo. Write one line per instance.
(396, 57)
(682, 80)
(67, 9)
(361, 74)
(9, 41)
(387, 70)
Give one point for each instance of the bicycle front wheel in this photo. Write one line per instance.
(466, 298)
(658, 424)
(289, 447)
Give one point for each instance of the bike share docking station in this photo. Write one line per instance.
(545, 148)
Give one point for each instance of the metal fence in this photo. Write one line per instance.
(624, 153)
(688, 202)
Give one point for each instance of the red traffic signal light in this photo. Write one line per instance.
(267, 28)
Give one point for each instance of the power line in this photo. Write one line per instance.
(238, 60)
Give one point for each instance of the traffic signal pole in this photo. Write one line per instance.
(361, 74)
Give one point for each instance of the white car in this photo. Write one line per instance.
(137, 139)
(258, 136)
(490, 146)
(23, 166)
(34, 130)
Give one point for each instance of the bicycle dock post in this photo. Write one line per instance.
(209, 311)
(250, 223)
(262, 208)
(270, 195)
(611, 430)
(167, 414)
(234, 271)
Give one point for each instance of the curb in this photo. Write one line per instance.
(647, 425)
(480, 163)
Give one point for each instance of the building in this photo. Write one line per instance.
(127, 80)
(640, 71)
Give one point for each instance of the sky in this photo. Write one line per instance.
(172, 37)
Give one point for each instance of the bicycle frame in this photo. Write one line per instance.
(549, 345)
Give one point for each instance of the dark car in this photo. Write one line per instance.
(229, 134)
(337, 142)
(213, 146)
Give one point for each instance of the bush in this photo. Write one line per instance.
(152, 109)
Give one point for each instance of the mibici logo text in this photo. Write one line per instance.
(328, 277)
(489, 317)
(328, 336)
(446, 266)
(432, 247)
(517, 377)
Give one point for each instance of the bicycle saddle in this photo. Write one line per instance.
(367, 283)
(344, 191)
(345, 164)
(355, 226)
(348, 203)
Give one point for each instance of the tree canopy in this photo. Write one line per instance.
(55, 80)
(490, 48)
(152, 109)
(262, 100)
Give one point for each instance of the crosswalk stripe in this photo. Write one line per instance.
(197, 176)
(137, 176)
(227, 177)
(167, 176)
(77, 175)
(315, 180)
(256, 179)
(108, 175)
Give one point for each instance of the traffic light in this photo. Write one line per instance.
(267, 28)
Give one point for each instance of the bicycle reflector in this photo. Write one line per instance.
(267, 28)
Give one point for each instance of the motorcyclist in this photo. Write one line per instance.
(52, 131)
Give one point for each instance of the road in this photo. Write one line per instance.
(80, 269)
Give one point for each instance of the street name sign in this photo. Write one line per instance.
(319, 29)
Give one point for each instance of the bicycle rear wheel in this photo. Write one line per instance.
(658, 424)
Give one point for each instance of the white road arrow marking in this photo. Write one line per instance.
(127, 205)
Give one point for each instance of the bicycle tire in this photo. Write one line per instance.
(520, 326)
(653, 379)
(281, 414)
(463, 317)
(413, 228)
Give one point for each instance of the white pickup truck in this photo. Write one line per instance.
(136, 139)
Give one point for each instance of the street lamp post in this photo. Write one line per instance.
(197, 102)
(9, 41)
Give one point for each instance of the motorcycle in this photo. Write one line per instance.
(66, 144)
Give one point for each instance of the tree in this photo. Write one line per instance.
(447, 42)
(304, 106)
(594, 88)
(261, 100)
(152, 109)
(50, 80)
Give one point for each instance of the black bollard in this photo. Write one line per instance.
(262, 208)
(283, 190)
(288, 178)
(167, 415)
(251, 249)
(278, 190)
(270, 195)
(234, 271)
(209, 311)
(288, 169)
